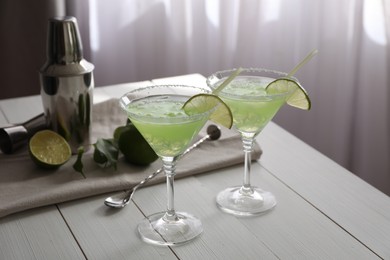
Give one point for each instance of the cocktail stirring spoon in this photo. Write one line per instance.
(121, 200)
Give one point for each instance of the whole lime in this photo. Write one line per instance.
(134, 147)
(118, 131)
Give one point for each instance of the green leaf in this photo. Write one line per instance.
(99, 157)
(78, 165)
(106, 152)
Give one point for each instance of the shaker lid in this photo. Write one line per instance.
(64, 48)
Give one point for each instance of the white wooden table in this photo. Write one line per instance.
(323, 211)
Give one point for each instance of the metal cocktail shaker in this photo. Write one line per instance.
(67, 83)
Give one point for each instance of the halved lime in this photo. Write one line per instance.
(202, 103)
(299, 98)
(49, 149)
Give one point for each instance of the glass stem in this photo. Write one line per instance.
(246, 188)
(169, 165)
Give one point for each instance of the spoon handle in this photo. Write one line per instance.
(189, 149)
(130, 193)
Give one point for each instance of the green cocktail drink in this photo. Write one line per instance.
(165, 126)
(251, 115)
(252, 107)
(157, 113)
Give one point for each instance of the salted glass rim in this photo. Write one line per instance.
(125, 100)
(246, 71)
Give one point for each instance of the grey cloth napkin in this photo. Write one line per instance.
(24, 186)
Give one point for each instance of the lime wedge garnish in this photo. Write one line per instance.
(299, 97)
(202, 103)
(49, 149)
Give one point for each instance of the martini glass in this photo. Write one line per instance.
(252, 108)
(156, 112)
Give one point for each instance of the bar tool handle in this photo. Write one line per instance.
(16, 136)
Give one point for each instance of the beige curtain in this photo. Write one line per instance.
(348, 81)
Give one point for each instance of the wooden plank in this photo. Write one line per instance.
(294, 229)
(106, 233)
(37, 234)
(40, 233)
(356, 206)
(3, 121)
(312, 227)
(18, 110)
(224, 236)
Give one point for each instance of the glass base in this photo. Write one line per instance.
(156, 230)
(240, 202)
